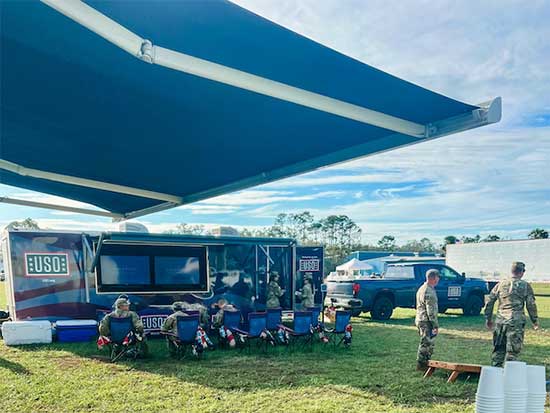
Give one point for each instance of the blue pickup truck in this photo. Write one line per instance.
(397, 288)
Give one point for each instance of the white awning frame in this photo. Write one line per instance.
(35, 204)
(486, 113)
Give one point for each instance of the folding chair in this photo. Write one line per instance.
(274, 318)
(231, 321)
(257, 331)
(342, 320)
(301, 329)
(316, 325)
(315, 314)
(123, 340)
(186, 337)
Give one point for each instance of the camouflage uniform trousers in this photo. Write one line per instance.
(507, 342)
(427, 342)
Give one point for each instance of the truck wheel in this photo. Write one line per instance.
(473, 305)
(382, 309)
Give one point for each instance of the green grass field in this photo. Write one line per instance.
(376, 375)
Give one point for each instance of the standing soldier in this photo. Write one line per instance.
(513, 295)
(426, 318)
(274, 291)
(307, 293)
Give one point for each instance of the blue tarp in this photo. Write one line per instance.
(74, 104)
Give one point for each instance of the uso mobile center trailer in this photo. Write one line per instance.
(492, 260)
(58, 275)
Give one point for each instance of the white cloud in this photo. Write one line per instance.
(260, 197)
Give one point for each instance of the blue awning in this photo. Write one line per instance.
(231, 100)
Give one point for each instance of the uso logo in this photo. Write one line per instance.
(153, 322)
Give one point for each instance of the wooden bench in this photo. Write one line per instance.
(455, 368)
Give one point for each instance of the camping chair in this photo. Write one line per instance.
(186, 337)
(315, 314)
(257, 331)
(123, 341)
(274, 318)
(231, 321)
(342, 320)
(301, 332)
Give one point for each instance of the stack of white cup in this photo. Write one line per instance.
(515, 387)
(536, 389)
(490, 391)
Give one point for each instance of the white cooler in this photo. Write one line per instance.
(26, 332)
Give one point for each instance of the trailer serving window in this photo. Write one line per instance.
(151, 268)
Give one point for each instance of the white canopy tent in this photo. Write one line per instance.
(354, 265)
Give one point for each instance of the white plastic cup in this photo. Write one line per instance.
(515, 377)
(536, 380)
(491, 382)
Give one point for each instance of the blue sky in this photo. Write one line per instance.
(491, 180)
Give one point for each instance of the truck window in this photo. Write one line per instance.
(401, 273)
(446, 273)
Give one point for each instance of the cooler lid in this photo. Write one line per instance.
(76, 323)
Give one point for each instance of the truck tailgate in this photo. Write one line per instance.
(340, 288)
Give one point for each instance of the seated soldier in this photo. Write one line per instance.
(217, 321)
(170, 325)
(122, 310)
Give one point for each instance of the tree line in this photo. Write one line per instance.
(339, 234)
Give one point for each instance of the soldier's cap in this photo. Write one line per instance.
(121, 302)
(308, 277)
(518, 266)
(274, 273)
(178, 305)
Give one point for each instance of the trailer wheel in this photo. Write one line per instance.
(382, 309)
(473, 306)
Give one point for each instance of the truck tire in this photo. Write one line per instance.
(473, 306)
(382, 309)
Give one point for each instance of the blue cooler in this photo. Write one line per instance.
(74, 331)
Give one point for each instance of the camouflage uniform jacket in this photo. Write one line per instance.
(426, 305)
(274, 291)
(513, 295)
(105, 325)
(307, 296)
(170, 325)
(217, 319)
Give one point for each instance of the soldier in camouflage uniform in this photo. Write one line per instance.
(122, 309)
(426, 318)
(170, 325)
(513, 294)
(307, 293)
(274, 291)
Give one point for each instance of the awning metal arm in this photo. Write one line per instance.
(45, 205)
(88, 183)
(144, 49)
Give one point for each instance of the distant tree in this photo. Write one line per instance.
(471, 240)
(301, 223)
(188, 229)
(27, 223)
(538, 233)
(450, 239)
(387, 242)
(491, 238)
(427, 245)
